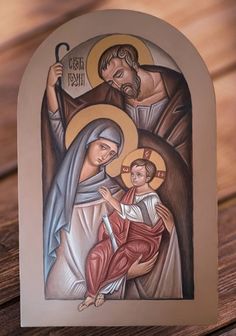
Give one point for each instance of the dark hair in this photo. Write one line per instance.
(149, 166)
(122, 51)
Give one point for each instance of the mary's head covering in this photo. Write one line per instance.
(61, 196)
(105, 129)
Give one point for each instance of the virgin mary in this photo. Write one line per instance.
(74, 207)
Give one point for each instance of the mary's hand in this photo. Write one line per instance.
(166, 216)
(137, 269)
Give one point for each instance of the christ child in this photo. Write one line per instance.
(137, 229)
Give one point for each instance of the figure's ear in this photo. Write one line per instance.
(135, 65)
(148, 178)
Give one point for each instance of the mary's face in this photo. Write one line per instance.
(101, 151)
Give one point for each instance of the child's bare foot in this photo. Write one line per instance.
(86, 303)
(100, 299)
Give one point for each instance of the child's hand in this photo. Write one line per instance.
(106, 194)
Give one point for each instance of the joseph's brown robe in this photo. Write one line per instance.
(172, 138)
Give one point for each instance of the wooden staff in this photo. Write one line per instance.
(59, 85)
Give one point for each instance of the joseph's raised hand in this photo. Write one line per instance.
(55, 71)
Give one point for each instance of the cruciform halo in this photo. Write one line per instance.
(145, 56)
(148, 154)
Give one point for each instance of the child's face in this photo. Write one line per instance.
(138, 176)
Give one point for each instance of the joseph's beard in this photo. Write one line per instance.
(131, 90)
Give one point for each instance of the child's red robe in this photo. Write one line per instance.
(134, 239)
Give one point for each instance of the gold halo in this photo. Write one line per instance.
(145, 56)
(149, 154)
(90, 113)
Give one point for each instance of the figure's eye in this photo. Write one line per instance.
(119, 74)
(112, 153)
(102, 147)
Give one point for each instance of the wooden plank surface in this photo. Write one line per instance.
(211, 26)
(226, 131)
(9, 254)
(229, 332)
(8, 200)
(225, 98)
(10, 77)
(12, 72)
(227, 297)
(23, 19)
(33, 22)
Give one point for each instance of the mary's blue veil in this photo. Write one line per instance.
(61, 197)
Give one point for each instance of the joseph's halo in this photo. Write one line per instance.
(144, 54)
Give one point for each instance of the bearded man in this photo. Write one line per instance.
(158, 101)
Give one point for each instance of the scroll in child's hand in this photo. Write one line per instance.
(110, 232)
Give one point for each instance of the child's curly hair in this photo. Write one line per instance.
(149, 166)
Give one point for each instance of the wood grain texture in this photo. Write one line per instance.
(10, 76)
(9, 253)
(226, 128)
(23, 19)
(8, 201)
(226, 131)
(33, 22)
(207, 17)
(210, 25)
(231, 332)
(9, 261)
(9, 284)
(9, 237)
